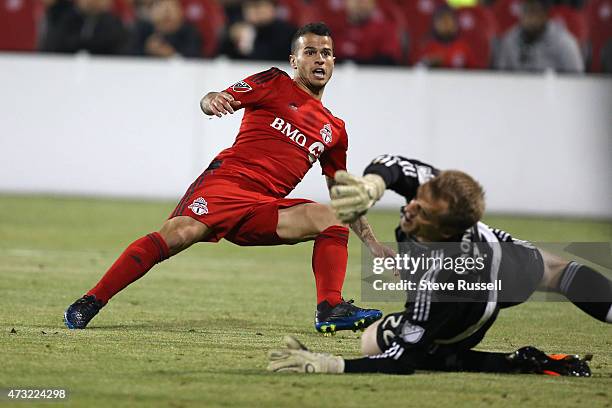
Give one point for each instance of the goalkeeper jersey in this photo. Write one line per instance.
(436, 320)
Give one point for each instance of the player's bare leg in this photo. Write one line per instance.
(176, 235)
(313, 221)
(369, 345)
(305, 222)
(586, 288)
(553, 269)
(182, 232)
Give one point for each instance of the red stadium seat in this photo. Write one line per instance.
(479, 28)
(506, 13)
(599, 16)
(393, 12)
(208, 16)
(479, 19)
(418, 14)
(574, 20)
(331, 12)
(295, 12)
(124, 10)
(17, 25)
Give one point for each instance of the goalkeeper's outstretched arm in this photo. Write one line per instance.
(400, 359)
(352, 196)
(297, 358)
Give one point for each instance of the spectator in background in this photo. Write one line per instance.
(367, 37)
(233, 9)
(167, 33)
(606, 57)
(87, 25)
(142, 10)
(261, 35)
(445, 48)
(537, 44)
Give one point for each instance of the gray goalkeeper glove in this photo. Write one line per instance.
(354, 196)
(297, 359)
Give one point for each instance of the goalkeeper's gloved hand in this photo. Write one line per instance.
(297, 359)
(354, 196)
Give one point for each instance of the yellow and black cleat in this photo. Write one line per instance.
(343, 316)
(328, 330)
(359, 325)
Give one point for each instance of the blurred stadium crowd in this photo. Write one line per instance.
(518, 35)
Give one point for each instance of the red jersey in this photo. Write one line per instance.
(284, 131)
(456, 54)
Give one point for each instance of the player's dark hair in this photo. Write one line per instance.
(319, 28)
(465, 198)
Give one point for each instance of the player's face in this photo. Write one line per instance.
(421, 217)
(313, 61)
(533, 18)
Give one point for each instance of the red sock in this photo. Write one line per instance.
(137, 259)
(329, 258)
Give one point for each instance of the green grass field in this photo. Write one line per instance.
(195, 330)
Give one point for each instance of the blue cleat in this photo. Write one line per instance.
(343, 316)
(81, 312)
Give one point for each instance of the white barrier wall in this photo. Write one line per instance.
(125, 127)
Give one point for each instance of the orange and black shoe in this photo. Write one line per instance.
(531, 360)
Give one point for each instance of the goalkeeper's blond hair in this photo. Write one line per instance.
(465, 198)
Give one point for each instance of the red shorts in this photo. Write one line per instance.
(234, 208)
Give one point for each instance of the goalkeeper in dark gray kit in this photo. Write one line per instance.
(439, 327)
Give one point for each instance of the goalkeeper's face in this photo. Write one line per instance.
(422, 216)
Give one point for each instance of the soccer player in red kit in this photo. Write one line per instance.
(241, 195)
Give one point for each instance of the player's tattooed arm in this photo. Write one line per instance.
(360, 226)
(219, 104)
(364, 231)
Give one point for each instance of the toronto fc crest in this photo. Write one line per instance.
(199, 206)
(241, 86)
(326, 133)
